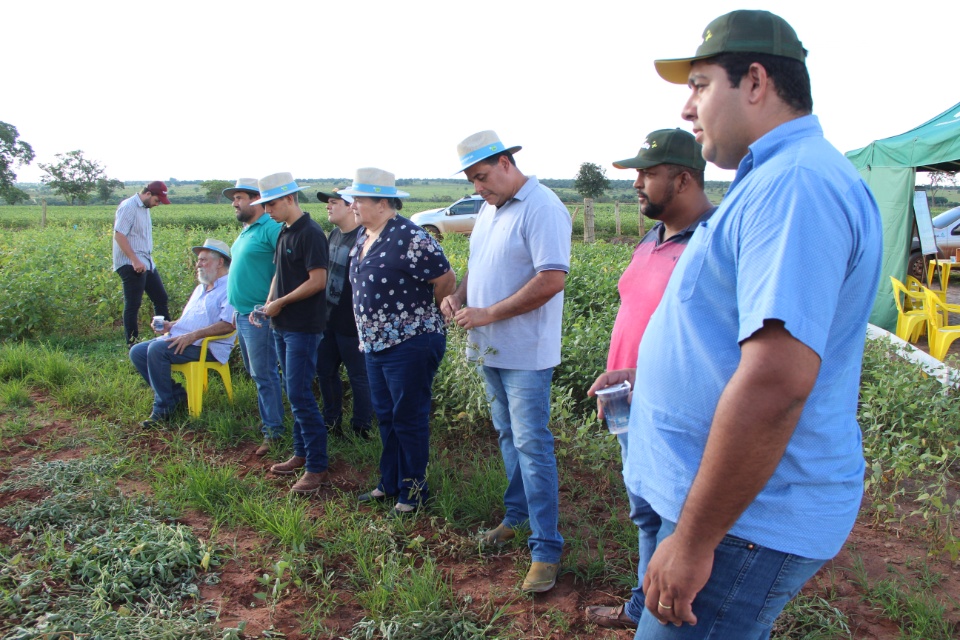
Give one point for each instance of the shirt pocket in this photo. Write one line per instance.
(693, 259)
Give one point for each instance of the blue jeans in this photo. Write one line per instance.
(152, 360)
(298, 358)
(747, 590)
(520, 408)
(401, 381)
(335, 349)
(259, 351)
(648, 524)
(134, 284)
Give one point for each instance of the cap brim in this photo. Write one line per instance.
(164, 199)
(634, 163)
(339, 195)
(676, 70)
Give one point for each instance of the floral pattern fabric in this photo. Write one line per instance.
(392, 297)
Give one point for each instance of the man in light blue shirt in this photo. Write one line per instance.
(743, 425)
(207, 314)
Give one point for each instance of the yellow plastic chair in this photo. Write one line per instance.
(914, 286)
(940, 334)
(912, 321)
(942, 269)
(196, 374)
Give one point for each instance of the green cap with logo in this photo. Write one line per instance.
(666, 146)
(743, 31)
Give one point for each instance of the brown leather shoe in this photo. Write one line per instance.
(310, 482)
(541, 577)
(498, 536)
(264, 447)
(610, 617)
(289, 467)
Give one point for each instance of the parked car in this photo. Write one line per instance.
(946, 232)
(459, 217)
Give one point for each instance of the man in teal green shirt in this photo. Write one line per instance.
(249, 284)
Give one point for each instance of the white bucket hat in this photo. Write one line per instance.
(243, 184)
(481, 146)
(212, 244)
(374, 183)
(276, 186)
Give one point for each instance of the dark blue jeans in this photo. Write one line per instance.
(134, 284)
(747, 590)
(298, 359)
(152, 360)
(401, 380)
(334, 350)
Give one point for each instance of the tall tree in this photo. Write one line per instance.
(13, 153)
(106, 187)
(73, 176)
(591, 181)
(214, 188)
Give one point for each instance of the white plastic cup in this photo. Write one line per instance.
(257, 317)
(616, 406)
(157, 323)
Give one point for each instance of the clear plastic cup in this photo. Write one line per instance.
(258, 317)
(157, 323)
(616, 406)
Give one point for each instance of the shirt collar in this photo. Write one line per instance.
(772, 142)
(140, 201)
(527, 188)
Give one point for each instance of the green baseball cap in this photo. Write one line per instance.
(744, 31)
(666, 146)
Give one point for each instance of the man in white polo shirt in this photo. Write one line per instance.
(511, 301)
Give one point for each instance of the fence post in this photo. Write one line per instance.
(589, 235)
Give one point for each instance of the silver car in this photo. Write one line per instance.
(459, 217)
(946, 232)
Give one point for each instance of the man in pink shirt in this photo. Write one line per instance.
(670, 190)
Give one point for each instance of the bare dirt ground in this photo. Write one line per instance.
(489, 581)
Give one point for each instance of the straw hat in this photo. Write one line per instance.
(481, 146)
(275, 186)
(243, 184)
(212, 244)
(374, 183)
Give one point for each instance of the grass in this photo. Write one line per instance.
(391, 578)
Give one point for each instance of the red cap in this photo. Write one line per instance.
(159, 189)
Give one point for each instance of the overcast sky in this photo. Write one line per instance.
(208, 89)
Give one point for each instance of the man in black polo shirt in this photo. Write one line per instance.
(297, 309)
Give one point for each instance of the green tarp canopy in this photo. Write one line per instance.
(890, 166)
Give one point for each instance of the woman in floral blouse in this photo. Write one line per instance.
(399, 276)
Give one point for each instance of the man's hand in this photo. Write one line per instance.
(450, 305)
(272, 309)
(180, 343)
(471, 317)
(676, 574)
(138, 265)
(166, 327)
(609, 379)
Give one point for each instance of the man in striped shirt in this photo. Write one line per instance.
(133, 256)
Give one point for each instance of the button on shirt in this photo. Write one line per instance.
(203, 309)
(797, 239)
(133, 221)
(392, 298)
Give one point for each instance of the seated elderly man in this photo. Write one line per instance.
(207, 314)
